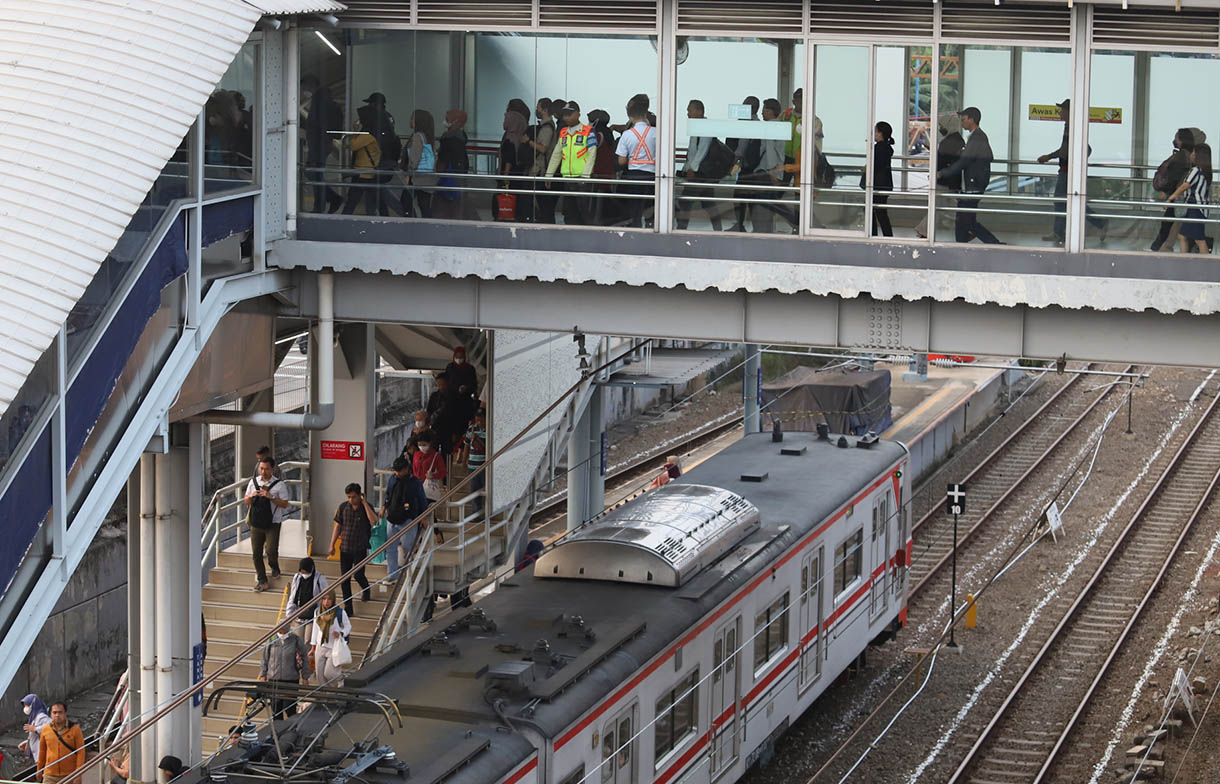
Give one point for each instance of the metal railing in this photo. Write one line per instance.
(225, 516)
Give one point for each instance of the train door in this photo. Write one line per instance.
(618, 748)
(878, 595)
(900, 553)
(726, 684)
(811, 618)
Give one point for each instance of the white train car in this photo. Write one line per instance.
(673, 639)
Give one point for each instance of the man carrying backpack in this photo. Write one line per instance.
(266, 500)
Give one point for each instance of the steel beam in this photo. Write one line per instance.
(799, 319)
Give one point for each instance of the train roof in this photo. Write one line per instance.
(558, 647)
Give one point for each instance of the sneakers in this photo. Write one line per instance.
(261, 586)
(1055, 238)
(275, 573)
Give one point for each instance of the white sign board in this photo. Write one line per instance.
(1055, 520)
(1181, 690)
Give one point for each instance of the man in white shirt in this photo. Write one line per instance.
(696, 152)
(266, 500)
(772, 167)
(637, 151)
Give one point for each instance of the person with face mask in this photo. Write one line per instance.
(307, 583)
(429, 467)
(329, 624)
(462, 375)
(285, 660)
(61, 748)
(37, 716)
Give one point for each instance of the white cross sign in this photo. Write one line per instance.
(956, 498)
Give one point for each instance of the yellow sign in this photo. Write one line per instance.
(1109, 115)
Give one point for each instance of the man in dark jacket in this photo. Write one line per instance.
(448, 413)
(1174, 170)
(1059, 226)
(975, 169)
(405, 502)
(325, 116)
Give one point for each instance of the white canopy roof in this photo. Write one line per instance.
(95, 96)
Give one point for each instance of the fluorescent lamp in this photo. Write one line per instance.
(326, 41)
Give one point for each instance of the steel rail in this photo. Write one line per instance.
(986, 734)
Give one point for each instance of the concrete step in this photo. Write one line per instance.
(364, 620)
(242, 562)
(244, 596)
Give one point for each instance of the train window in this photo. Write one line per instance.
(677, 715)
(848, 561)
(770, 632)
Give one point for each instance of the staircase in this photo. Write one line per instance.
(236, 615)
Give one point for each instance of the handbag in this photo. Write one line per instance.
(340, 653)
(506, 206)
(377, 538)
(433, 489)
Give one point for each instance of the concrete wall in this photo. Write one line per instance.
(84, 642)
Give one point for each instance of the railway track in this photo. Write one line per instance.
(1000, 474)
(1024, 736)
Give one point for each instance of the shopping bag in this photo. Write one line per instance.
(506, 206)
(377, 539)
(340, 653)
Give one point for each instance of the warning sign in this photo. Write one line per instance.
(342, 450)
(1107, 115)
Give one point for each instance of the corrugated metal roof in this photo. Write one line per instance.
(289, 7)
(95, 96)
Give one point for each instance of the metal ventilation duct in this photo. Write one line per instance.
(664, 538)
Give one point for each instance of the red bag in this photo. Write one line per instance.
(506, 206)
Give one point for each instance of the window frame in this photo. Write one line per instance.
(858, 550)
(764, 621)
(686, 690)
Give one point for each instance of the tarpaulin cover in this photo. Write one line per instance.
(850, 401)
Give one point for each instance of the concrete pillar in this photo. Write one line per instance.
(137, 703)
(596, 484)
(172, 602)
(355, 364)
(751, 388)
(247, 439)
(197, 444)
(147, 600)
(578, 471)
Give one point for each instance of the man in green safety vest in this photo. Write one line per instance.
(573, 158)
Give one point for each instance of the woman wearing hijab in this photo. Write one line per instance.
(169, 768)
(330, 623)
(452, 158)
(37, 717)
(516, 157)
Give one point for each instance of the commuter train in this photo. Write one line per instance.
(672, 639)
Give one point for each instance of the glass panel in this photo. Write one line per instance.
(443, 150)
(841, 132)
(1011, 193)
(1140, 102)
(732, 173)
(228, 138)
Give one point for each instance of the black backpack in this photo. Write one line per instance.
(717, 163)
(262, 511)
(825, 175)
(390, 144)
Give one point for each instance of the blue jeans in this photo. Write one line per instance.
(477, 483)
(407, 542)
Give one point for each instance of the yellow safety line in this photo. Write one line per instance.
(917, 410)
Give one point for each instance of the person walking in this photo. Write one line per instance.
(325, 115)
(770, 172)
(1169, 175)
(266, 500)
(573, 158)
(747, 154)
(330, 624)
(948, 150)
(405, 504)
(975, 167)
(883, 177)
(474, 453)
(1059, 225)
(366, 159)
(285, 660)
(516, 158)
(462, 376)
(697, 150)
(1197, 186)
(354, 521)
(169, 768)
(429, 466)
(637, 153)
(61, 748)
(307, 583)
(452, 158)
(37, 716)
(606, 211)
(419, 162)
(543, 136)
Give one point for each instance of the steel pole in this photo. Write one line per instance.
(953, 590)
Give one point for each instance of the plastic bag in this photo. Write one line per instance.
(340, 653)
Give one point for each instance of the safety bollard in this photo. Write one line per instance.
(972, 611)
